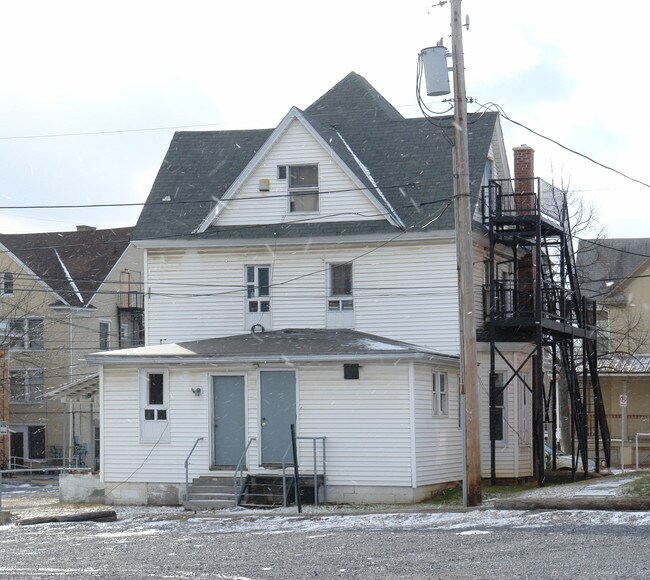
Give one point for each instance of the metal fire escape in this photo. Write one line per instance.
(532, 296)
(130, 310)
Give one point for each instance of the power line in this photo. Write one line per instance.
(500, 110)
(107, 132)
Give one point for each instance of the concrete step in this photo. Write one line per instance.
(203, 488)
(207, 496)
(209, 504)
(206, 480)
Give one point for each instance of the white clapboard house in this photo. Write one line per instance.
(306, 275)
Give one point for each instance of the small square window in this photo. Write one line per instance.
(149, 415)
(282, 171)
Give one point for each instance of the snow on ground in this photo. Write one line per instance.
(26, 500)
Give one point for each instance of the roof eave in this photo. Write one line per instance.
(110, 359)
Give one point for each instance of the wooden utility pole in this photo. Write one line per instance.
(464, 255)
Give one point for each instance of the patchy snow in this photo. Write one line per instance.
(69, 278)
(367, 173)
(170, 349)
(317, 521)
(378, 345)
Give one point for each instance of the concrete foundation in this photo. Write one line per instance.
(80, 488)
(76, 488)
(363, 495)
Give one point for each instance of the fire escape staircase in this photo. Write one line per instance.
(532, 295)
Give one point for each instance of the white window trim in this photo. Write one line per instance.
(440, 394)
(161, 434)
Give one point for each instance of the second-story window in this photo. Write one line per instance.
(26, 333)
(6, 283)
(303, 188)
(258, 289)
(104, 334)
(340, 287)
(26, 386)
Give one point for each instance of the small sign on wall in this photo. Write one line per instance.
(3, 427)
(623, 400)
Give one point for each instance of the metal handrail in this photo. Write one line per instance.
(187, 462)
(238, 486)
(315, 474)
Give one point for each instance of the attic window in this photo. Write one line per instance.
(303, 188)
(282, 171)
(351, 371)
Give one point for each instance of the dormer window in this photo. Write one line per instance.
(303, 188)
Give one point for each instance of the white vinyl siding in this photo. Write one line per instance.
(366, 422)
(439, 443)
(124, 456)
(406, 292)
(512, 460)
(339, 198)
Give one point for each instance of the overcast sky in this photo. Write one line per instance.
(574, 71)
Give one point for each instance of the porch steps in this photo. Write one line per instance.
(210, 493)
(265, 492)
(260, 492)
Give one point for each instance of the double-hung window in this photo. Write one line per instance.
(340, 303)
(154, 397)
(104, 334)
(303, 188)
(26, 386)
(26, 334)
(6, 283)
(340, 287)
(440, 394)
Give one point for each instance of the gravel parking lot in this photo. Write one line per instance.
(327, 543)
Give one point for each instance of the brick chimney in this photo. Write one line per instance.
(524, 179)
(524, 190)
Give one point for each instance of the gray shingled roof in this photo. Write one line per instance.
(604, 265)
(281, 345)
(410, 160)
(72, 264)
